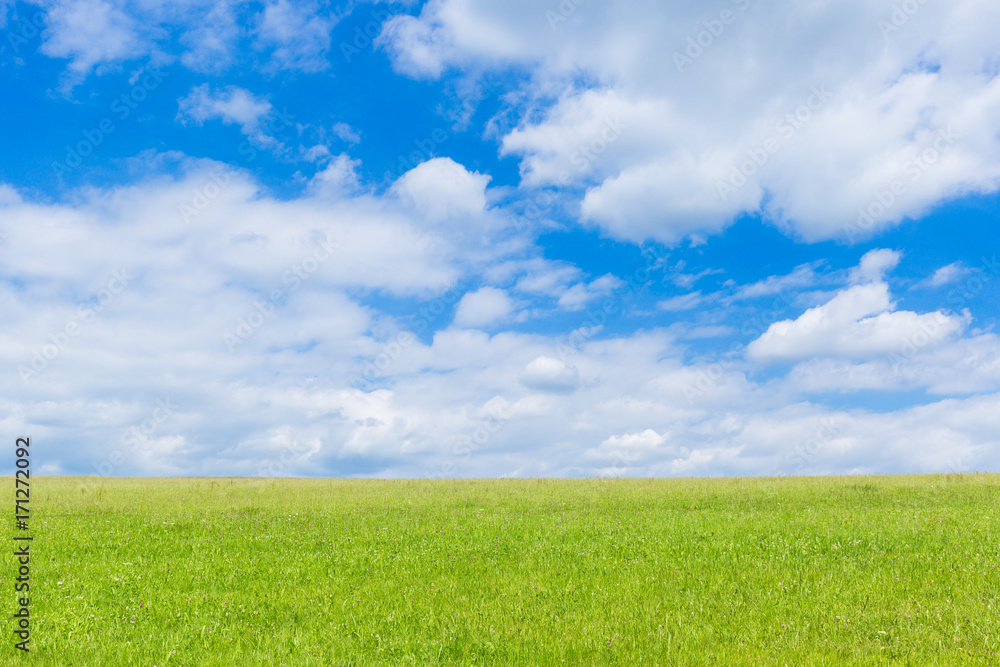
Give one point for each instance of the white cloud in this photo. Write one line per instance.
(631, 448)
(682, 302)
(580, 294)
(411, 43)
(802, 277)
(687, 280)
(91, 33)
(346, 133)
(338, 178)
(549, 374)
(948, 274)
(642, 145)
(902, 117)
(211, 40)
(299, 36)
(539, 277)
(874, 265)
(543, 276)
(230, 104)
(482, 307)
(444, 190)
(631, 417)
(241, 264)
(857, 341)
(620, 405)
(964, 366)
(96, 36)
(583, 136)
(858, 323)
(665, 201)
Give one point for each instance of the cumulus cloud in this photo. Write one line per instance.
(91, 33)
(444, 190)
(898, 108)
(338, 178)
(482, 307)
(458, 402)
(630, 447)
(964, 366)
(417, 47)
(636, 415)
(251, 301)
(859, 322)
(549, 374)
(874, 265)
(312, 332)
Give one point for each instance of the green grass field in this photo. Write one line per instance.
(786, 571)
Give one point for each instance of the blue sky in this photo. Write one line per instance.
(469, 238)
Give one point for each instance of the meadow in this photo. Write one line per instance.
(776, 571)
